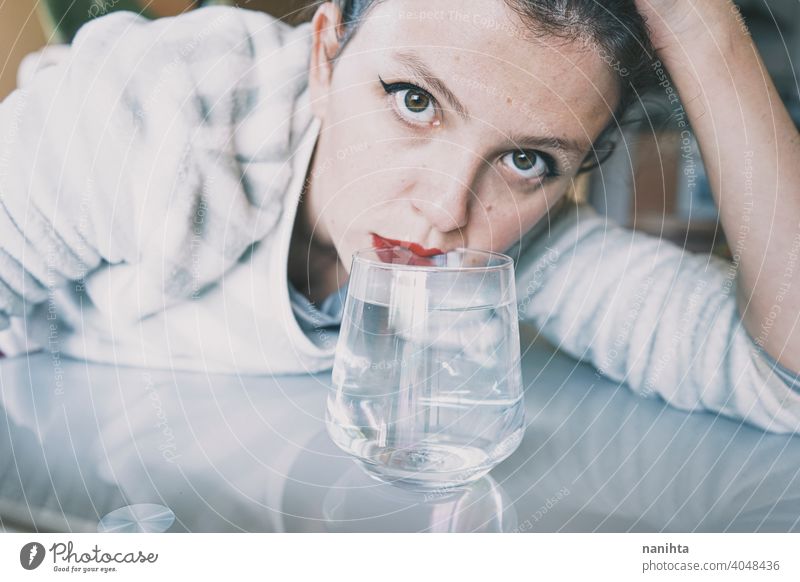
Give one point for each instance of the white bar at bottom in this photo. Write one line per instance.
(396, 557)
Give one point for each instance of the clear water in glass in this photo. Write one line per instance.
(427, 389)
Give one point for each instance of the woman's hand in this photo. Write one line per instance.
(674, 23)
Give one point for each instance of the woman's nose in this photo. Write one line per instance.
(445, 191)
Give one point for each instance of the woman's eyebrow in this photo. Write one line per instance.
(558, 143)
(412, 61)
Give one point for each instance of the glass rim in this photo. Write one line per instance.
(507, 261)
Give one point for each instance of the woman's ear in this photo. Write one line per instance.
(325, 27)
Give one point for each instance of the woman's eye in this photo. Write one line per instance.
(412, 102)
(527, 164)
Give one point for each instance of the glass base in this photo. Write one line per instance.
(420, 469)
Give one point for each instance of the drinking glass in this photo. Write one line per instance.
(427, 386)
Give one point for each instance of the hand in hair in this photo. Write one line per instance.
(672, 22)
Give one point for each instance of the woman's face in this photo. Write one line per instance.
(448, 127)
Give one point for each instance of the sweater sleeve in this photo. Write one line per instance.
(649, 314)
(154, 149)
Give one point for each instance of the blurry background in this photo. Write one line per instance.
(644, 185)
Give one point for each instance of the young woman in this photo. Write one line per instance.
(188, 192)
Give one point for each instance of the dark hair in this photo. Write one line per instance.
(614, 26)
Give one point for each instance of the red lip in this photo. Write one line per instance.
(382, 243)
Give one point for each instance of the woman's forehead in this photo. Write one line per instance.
(484, 55)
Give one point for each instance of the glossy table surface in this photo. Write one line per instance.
(245, 453)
